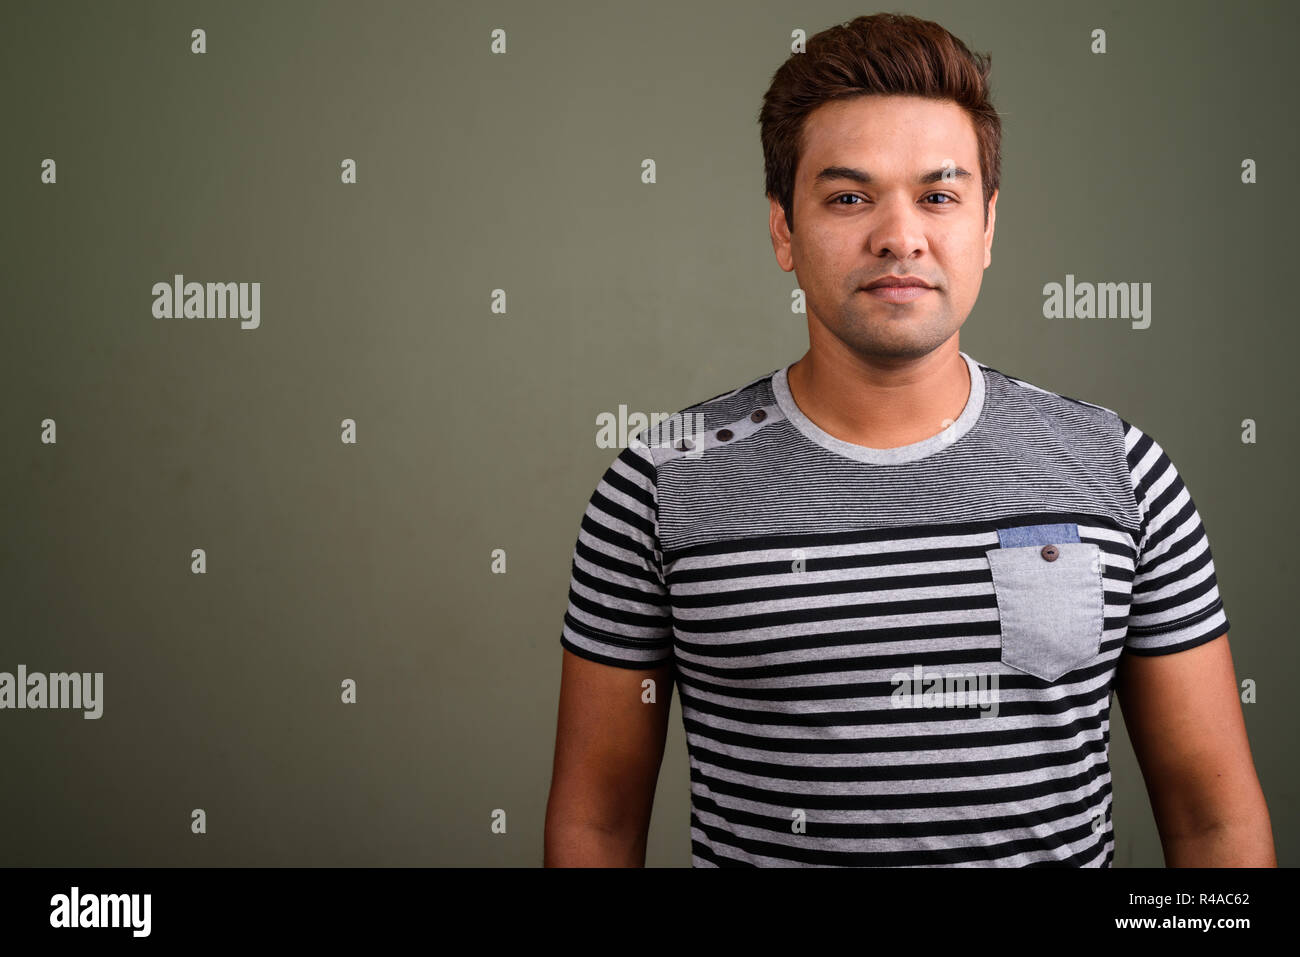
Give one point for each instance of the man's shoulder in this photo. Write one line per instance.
(1024, 402)
(741, 409)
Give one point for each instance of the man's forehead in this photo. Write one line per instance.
(888, 103)
(915, 138)
(863, 117)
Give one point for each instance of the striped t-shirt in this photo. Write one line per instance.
(893, 657)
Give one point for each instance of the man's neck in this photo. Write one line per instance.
(881, 405)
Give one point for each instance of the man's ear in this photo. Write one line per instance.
(988, 229)
(780, 234)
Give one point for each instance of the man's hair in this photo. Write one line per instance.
(888, 53)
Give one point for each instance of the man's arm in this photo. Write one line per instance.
(608, 747)
(1184, 719)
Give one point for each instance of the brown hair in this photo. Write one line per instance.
(888, 53)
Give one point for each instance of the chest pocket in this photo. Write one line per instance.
(1051, 601)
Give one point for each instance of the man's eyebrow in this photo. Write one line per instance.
(831, 173)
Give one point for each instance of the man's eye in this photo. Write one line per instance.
(837, 199)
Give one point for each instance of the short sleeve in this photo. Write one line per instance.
(1175, 601)
(619, 612)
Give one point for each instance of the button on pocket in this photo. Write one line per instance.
(1051, 609)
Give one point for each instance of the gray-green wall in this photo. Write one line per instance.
(475, 430)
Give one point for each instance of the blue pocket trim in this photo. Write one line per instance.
(1038, 535)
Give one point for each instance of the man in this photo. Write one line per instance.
(895, 587)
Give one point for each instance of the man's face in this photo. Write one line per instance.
(850, 230)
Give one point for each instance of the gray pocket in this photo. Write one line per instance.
(1051, 612)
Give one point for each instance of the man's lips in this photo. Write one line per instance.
(896, 281)
(893, 292)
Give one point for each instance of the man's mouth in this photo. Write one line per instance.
(897, 293)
